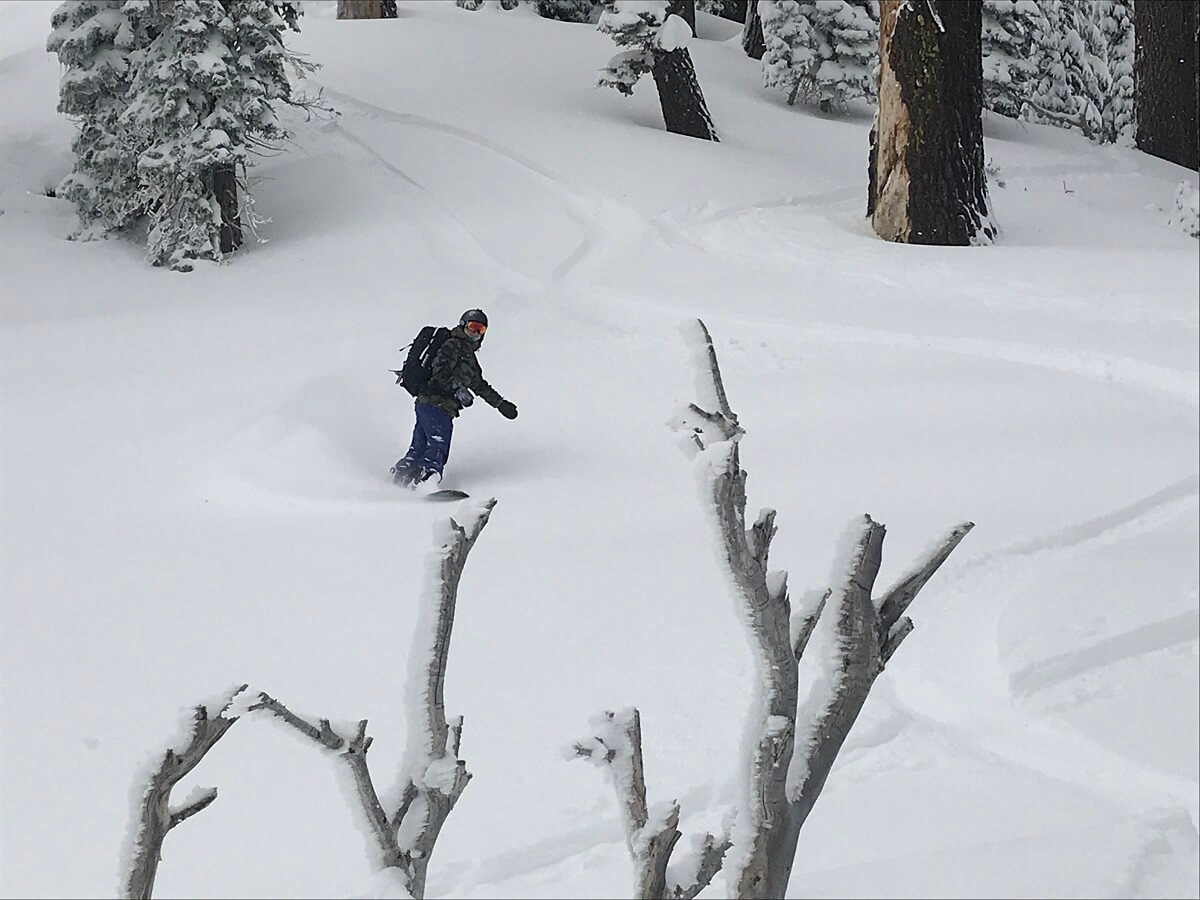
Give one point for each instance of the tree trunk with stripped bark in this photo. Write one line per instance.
(927, 180)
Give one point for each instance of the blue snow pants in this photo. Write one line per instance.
(430, 446)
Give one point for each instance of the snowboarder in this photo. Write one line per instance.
(455, 380)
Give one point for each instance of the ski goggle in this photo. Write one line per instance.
(475, 328)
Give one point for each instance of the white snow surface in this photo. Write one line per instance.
(195, 489)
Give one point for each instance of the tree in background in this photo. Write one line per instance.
(98, 46)
(569, 10)
(752, 32)
(1070, 78)
(1167, 87)
(1010, 29)
(927, 180)
(1114, 19)
(734, 10)
(819, 51)
(203, 98)
(171, 99)
(366, 9)
(657, 35)
(1052, 62)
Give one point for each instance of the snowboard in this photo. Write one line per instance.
(447, 494)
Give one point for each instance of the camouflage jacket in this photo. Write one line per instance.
(454, 367)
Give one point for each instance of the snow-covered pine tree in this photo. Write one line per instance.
(1070, 79)
(568, 10)
(1114, 18)
(204, 98)
(632, 25)
(1009, 31)
(823, 51)
(474, 5)
(733, 10)
(98, 46)
(657, 32)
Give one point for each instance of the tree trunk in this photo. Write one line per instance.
(929, 184)
(685, 9)
(679, 94)
(1165, 73)
(733, 10)
(752, 33)
(225, 189)
(366, 9)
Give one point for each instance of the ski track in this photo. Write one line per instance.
(984, 712)
(606, 224)
(452, 237)
(1160, 635)
(1177, 384)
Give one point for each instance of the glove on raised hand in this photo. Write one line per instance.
(506, 409)
(464, 397)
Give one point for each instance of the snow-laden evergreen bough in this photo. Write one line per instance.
(100, 46)
(432, 775)
(821, 52)
(1052, 63)
(789, 750)
(172, 100)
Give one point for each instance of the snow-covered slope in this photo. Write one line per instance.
(195, 488)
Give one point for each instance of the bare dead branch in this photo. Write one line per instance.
(867, 635)
(901, 596)
(804, 634)
(440, 792)
(156, 816)
(712, 855)
(717, 381)
(406, 801)
(186, 812)
(324, 735)
(899, 632)
(354, 753)
(618, 745)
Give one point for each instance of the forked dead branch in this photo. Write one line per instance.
(434, 777)
(867, 631)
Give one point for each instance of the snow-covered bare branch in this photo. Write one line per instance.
(791, 752)
(157, 816)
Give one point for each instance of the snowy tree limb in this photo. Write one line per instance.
(867, 634)
(650, 838)
(157, 818)
(406, 837)
(431, 793)
(355, 755)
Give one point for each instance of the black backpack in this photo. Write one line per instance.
(414, 375)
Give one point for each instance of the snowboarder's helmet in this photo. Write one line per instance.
(474, 315)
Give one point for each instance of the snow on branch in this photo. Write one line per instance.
(354, 753)
(157, 816)
(650, 833)
(790, 753)
(436, 777)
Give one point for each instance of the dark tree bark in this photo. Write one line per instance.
(225, 189)
(683, 107)
(366, 9)
(929, 184)
(752, 33)
(1165, 71)
(733, 10)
